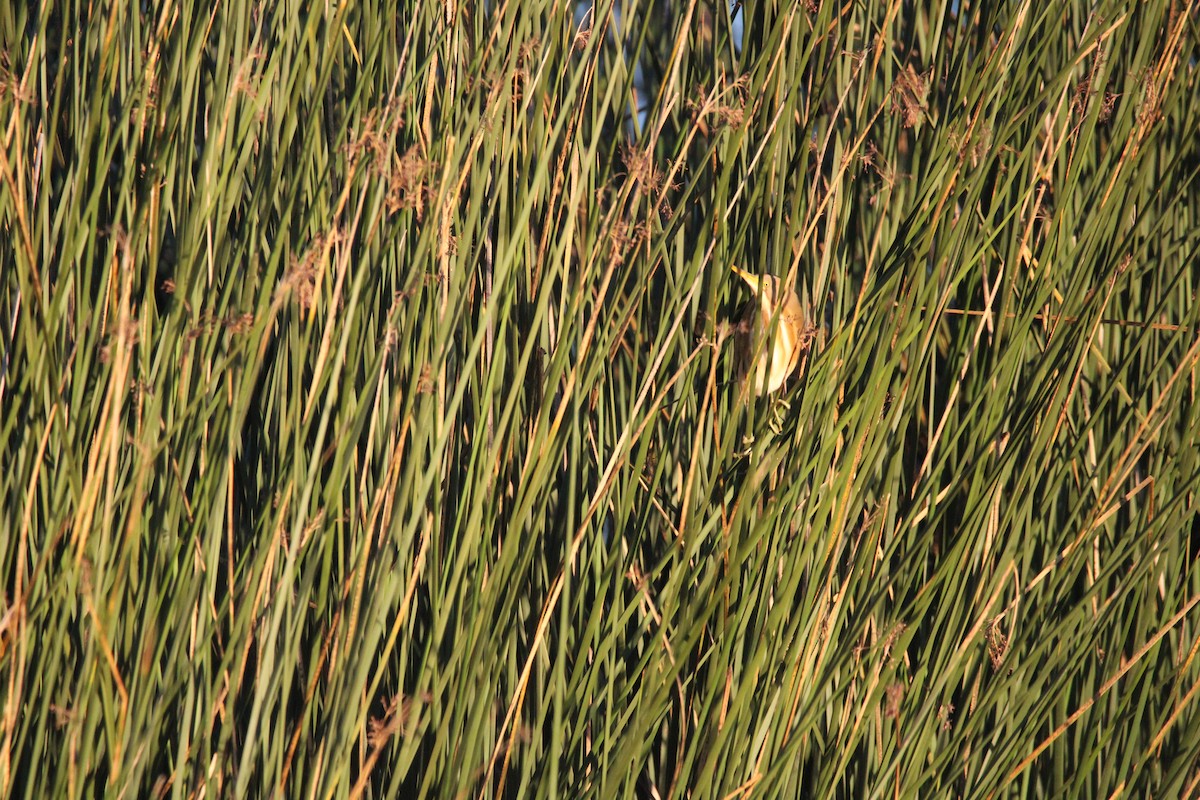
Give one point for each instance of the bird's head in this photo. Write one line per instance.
(765, 288)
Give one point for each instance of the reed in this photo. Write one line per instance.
(368, 425)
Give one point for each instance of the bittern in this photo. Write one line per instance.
(774, 360)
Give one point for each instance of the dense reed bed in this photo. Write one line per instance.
(369, 427)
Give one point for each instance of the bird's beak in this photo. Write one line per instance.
(749, 278)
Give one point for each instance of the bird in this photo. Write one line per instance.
(774, 361)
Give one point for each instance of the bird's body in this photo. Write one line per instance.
(767, 365)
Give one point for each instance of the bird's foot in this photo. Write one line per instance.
(779, 411)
